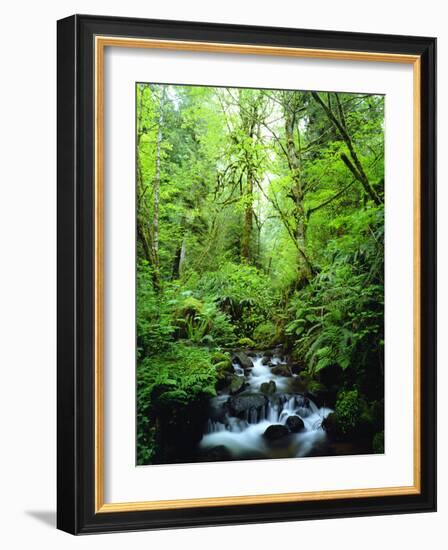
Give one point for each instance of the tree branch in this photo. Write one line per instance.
(328, 201)
(355, 166)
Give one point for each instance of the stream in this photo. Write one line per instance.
(263, 412)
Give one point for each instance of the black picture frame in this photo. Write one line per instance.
(76, 512)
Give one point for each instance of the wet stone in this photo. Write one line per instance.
(295, 423)
(275, 431)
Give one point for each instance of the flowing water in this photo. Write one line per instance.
(237, 424)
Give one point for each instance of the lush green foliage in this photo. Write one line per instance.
(348, 411)
(338, 317)
(260, 221)
(169, 380)
(155, 325)
(243, 292)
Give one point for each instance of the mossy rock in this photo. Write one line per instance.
(236, 384)
(243, 360)
(223, 368)
(281, 370)
(219, 357)
(188, 316)
(268, 388)
(189, 308)
(246, 342)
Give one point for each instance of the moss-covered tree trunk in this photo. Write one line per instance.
(297, 191)
(156, 195)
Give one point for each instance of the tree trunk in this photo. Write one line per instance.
(145, 241)
(248, 114)
(142, 229)
(156, 194)
(297, 191)
(179, 258)
(248, 222)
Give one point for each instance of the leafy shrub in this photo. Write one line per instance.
(352, 418)
(337, 319)
(265, 334)
(154, 319)
(241, 291)
(348, 411)
(203, 322)
(222, 331)
(180, 376)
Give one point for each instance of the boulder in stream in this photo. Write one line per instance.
(236, 384)
(268, 388)
(295, 423)
(242, 403)
(281, 370)
(220, 452)
(243, 360)
(275, 431)
(330, 425)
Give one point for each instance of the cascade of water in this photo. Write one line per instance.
(214, 426)
(273, 412)
(244, 436)
(253, 416)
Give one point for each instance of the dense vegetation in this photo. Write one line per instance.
(259, 223)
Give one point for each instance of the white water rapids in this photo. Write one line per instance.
(242, 435)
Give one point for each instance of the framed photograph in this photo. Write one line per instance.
(246, 274)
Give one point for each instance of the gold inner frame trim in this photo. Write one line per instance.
(101, 42)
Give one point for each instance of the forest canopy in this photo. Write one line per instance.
(260, 223)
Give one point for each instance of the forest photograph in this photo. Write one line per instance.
(259, 273)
